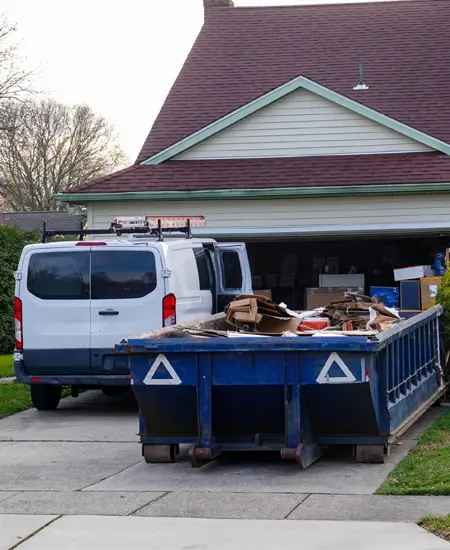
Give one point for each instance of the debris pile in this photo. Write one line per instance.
(353, 314)
(257, 316)
(359, 312)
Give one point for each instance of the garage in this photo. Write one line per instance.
(292, 243)
(296, 271)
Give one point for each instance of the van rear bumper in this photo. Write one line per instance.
(91, 380)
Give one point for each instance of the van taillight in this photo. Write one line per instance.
(169, 310)
(18, 323)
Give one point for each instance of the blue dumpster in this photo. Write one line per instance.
(294, 395)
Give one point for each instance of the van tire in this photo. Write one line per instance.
(45, 397)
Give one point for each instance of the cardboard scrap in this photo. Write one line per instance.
(359, 312)
(257, 316)
(256, 313)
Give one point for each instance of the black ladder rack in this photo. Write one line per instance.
(158, 232)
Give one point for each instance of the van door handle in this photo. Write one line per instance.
(111, 312)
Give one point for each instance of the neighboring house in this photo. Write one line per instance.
(267, 133)
(56, 221)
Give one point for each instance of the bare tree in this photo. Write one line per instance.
(46, 147)
(15, 80)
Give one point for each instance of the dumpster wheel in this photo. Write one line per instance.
(198, 457)
(372, 454)
(160, 454)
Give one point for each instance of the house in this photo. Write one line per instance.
(56, 221)
(318, 134)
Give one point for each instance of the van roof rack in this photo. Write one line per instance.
(134, 226)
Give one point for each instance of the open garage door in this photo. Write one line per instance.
(286, 268)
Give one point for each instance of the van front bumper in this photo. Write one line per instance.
(81, 380)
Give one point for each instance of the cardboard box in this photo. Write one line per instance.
(343, 280)
(413, 272)
(321, 297)
(429, 287)
(389, 295)
(257, 312)
(266, 292)
(410, 295)
(277, 325)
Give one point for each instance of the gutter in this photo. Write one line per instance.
(260, 194)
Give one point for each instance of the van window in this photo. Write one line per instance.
(122, 274)
(59, 275)
(203, 268)
(232, 270)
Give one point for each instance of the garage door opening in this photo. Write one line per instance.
(288, 268)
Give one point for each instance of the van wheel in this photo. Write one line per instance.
(45, 398)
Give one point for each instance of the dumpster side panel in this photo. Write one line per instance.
(168, 411)
(344, 410)
(256, 368)
(411, 367)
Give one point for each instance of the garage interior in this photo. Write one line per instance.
(287, 268)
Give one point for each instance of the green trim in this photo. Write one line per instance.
(272, 193)
(279, 93)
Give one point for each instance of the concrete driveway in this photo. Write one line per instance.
(84, 459)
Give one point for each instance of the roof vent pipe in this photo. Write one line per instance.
(361, 85)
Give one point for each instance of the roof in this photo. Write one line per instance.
(196, 175)
(56, 221)
(242, 53)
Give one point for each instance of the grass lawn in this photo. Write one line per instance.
(14, 398)
(6, 366)
(426, 469)
(439, 526)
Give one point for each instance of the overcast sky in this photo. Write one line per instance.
(119, 57)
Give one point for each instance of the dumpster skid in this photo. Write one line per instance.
(295, 395)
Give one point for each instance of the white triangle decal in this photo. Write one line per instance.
(324, 377)
(174, 379)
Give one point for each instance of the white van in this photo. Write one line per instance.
(76, 300)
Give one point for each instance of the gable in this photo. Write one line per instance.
(302, 124)
(240, 54)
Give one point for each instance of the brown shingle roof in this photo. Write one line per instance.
(199, 175)
(242, 53)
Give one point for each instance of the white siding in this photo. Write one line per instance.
(302, 124)
(358, 212)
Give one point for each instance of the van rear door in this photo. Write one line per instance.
(127, 292)
(191, 281)
(233, 273)
(56, 310)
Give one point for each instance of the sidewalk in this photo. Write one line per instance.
(117, 533)
(225, 505)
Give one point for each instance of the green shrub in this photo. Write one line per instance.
(443, 298)
(12, 242)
